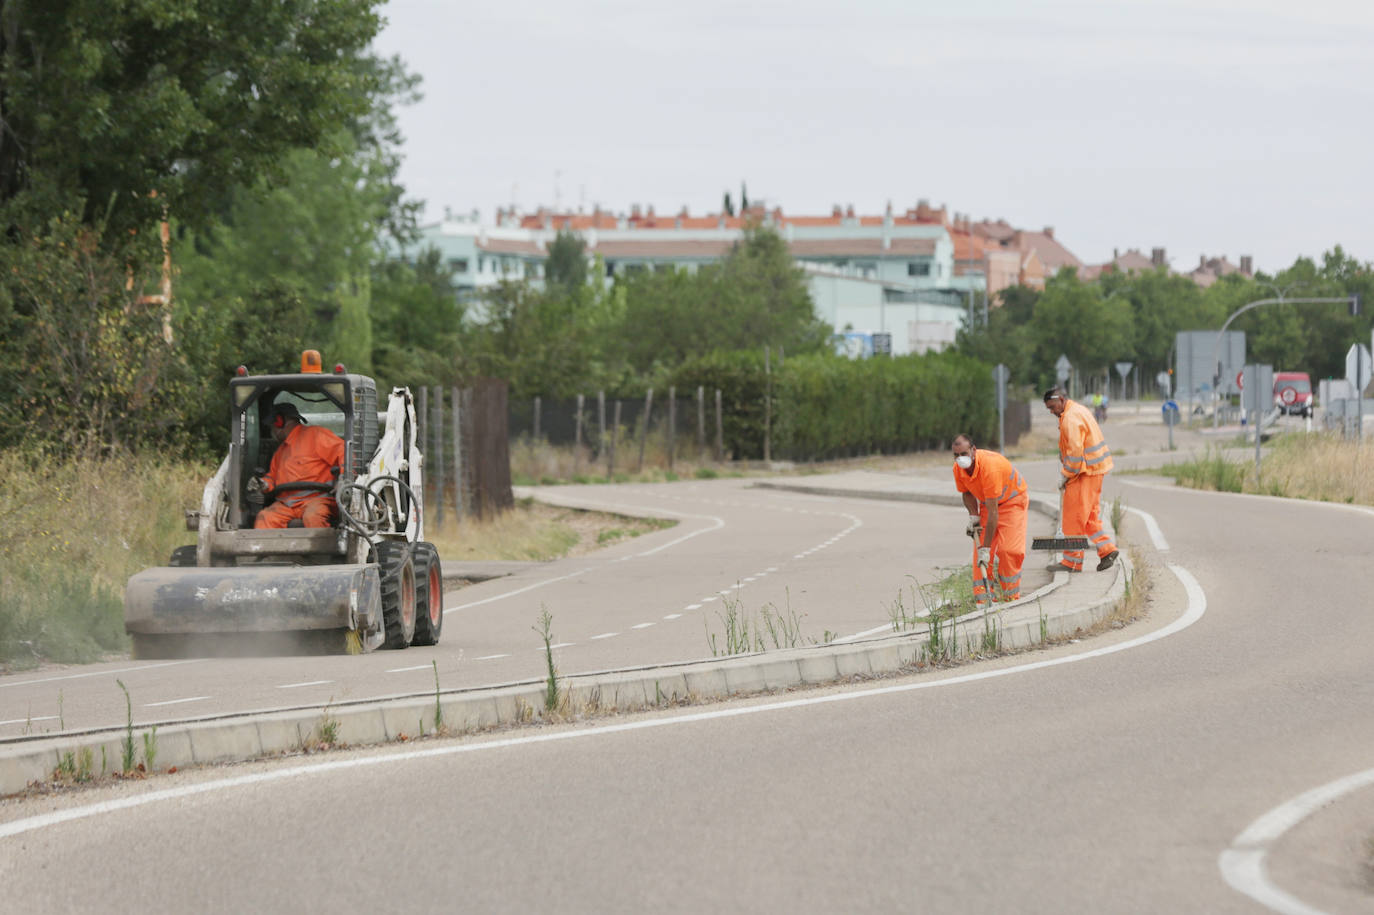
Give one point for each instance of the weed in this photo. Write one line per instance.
(85, 763)
(827, 637)
(706, 473)
(1044, 624)
(150, 748)
(328, 728)
(128, 742)
(104, 763)
(545, 630)
(1118, 512)
(991, 642)
(61, 715)
(438, 707)
(66, 767)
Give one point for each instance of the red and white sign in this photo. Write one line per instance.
(1240, 379)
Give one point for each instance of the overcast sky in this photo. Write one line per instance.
(1209, 126)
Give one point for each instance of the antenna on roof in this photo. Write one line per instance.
(557, 190)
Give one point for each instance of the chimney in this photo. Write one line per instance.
(1157, 257)
(849, 211)
(1116, 253)
(1049, 231)
(1202, 262)
(1247, 264)
(651, 211)
(837, 211)
(634, 211)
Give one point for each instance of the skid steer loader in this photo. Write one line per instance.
(370, 581)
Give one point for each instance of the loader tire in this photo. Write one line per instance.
(398, 592)
(429, 595)
(183, 557)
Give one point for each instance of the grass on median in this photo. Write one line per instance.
(1321, 467)
(536, 531)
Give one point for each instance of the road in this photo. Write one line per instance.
(1113, 775)
(832, 565)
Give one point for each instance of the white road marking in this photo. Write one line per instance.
(673, 616)
(491, 657)
(175, 701)
(707, 600)
(1242, 865)
(1197, 606)
(98, 673)
(641, 625)
(1151, 525)
(604, 635)
(27, 720)
(560, 645)
(306, 683)
(692, 607)
(772, 568)
(402, 670)
(859, 635)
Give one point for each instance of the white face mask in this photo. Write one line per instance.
(964, 460)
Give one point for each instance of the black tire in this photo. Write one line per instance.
(183, 557)
(429, 595)
(398, 592)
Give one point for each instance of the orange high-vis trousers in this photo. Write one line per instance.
(316, 510)
(1008, 551)
(1083, 517)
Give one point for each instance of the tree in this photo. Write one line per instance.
(567, 264)
(107, 103)
(1074, 319)
(743, 197)
(727, 206)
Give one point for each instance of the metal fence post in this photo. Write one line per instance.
(438, 462)
(457, 454)
(644, 427)
(537, 405)
(672, 424)
(720, 433)
(701, 420)
(422, 436)
(610, 452)
(577, 436)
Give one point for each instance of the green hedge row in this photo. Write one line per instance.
(827, 406)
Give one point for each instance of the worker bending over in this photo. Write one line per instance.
(305, 454)
(996, 497)
(1084, 460)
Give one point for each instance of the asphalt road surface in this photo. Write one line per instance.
(1164, 767)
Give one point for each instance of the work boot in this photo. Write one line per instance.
(1108, 561)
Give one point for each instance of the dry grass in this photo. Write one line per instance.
(1320, 467)
(75, 530)
(535, 531)
(539, 463)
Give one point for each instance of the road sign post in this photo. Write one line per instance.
(1063, 368)
(1170, 410)
(1123, 369)
(1359, 366)
(1000, 375)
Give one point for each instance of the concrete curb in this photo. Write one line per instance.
(1020, 624)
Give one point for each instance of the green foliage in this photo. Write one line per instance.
(83, 362)
(112, 102)
(567, 263)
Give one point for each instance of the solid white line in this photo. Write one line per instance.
(27, 720)
(859, 635)
(99, 673)
(176, 701)
(1197, 605)
(672, 616)
(1242, 865)
(402, 670)
(491, 657)
(641, 625)
(306, 683)
(604, 635)
(1152, 526)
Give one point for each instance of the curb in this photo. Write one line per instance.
(238, 738)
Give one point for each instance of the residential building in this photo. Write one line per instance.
(890, 273)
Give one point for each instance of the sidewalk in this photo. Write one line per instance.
(1059, 607)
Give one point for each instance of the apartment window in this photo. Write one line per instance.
(458, 264)
(918, 268)
(634, 269)
(481, 265)
(610, 268)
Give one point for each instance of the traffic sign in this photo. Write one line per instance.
(1123, 369)
(1240, 379)
(1359, 366)
(1062, 368)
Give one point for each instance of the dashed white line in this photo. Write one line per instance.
(604, 635)
(491, 657)
(672, 616)
(98, 673)
(402, 670)
(560, 645)
(692, 607)
(641, 625)
(178, 701)
(27, 720)
(306, 683)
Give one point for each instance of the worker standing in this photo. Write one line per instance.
(996, 497)
(305, 454)
(1084, 460)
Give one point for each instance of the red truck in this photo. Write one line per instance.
(1293, 393)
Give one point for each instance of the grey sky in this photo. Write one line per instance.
(1212, 126)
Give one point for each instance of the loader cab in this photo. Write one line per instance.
(343, 403)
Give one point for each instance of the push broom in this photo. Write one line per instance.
(1059, 543)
